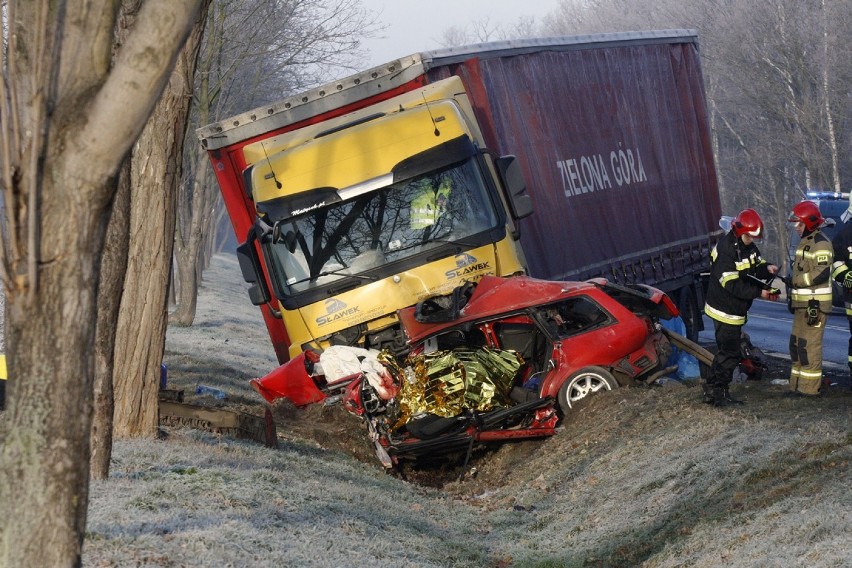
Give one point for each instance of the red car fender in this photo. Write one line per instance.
(645, 356)
(594, 349)
(291, 381)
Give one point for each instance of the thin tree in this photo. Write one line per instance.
(68, 120)
(110, 287)
(155, 171)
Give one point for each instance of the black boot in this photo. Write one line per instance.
(707, 397)
(726, 395)
(715, 395)
(719, 396)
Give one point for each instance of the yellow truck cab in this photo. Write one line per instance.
(360, 215)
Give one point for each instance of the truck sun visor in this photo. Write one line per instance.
(435, 158)
(294, 205)
(344, 158)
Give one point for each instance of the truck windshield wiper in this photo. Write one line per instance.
(338, 272)
(442, 253)
(460, 242)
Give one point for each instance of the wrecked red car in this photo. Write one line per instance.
(501, 359)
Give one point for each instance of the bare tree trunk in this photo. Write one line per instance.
(188, 251)
(110, 287)
(113, 266)
(66, 124)
(155, 175)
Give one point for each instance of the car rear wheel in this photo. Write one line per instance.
(582, 384)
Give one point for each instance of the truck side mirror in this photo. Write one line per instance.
(252, 272)
(513, 180)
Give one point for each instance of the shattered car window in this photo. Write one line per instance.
(574, 316)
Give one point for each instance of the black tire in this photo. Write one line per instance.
(689, 312)
(583, 383)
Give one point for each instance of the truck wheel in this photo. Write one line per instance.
(689, 312)
(583, 383)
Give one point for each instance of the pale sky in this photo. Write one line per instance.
(418, 25)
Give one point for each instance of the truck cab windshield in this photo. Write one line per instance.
(374, 234)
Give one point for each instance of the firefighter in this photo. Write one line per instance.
(810, 299)
(842, 269)
(736, 272)
(430, 205)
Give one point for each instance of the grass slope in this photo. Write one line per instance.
(636, 477)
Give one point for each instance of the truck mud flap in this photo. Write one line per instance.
(220, 421)
(704, 356)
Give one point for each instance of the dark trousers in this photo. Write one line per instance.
(850, 342)
(728, 356)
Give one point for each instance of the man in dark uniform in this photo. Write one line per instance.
(810, 299)
(842, 269)
(735, 274)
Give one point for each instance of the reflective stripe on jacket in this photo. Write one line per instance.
(730, 293)
(842, 245)
(812, 272)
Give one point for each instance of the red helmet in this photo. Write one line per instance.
(808, 214)
(748, 222)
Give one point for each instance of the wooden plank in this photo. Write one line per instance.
(220, 421)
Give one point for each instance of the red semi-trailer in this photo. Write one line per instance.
(612, 134)
(366, 195)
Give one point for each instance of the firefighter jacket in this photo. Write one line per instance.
(842, 245)
(732, 289)
(811, 274)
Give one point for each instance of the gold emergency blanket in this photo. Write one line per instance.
(445, 383)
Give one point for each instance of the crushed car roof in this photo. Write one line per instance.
(494, 296)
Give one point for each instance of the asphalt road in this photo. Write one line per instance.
(769, 325)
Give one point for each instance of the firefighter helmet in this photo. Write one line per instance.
(807, 213)
(748, 222)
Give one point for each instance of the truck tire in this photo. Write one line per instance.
(583, 383)
(690, 312)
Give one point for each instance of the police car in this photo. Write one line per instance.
(831, 205)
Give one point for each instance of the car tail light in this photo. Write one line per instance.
(670, 305)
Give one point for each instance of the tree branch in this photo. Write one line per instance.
(160, 30)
